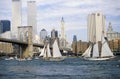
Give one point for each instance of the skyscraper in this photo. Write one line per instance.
(4, 26)
(62, 29)
(43, 34)
(54, 34)
(75, 38)
(16, 17)
(31, 16)
(63, 42)
(1, 28)
(96, 25)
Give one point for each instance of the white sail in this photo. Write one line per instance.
(45, 54)
(48, 50)
(95, 50)
(42, 52)
(56, 51)
(105, 49)
(87, 52)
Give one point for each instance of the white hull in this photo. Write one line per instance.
(8, 59)
(36, 57)
(21, 59)
(100, 58)
(28, 59)
(11, 58)
(56, 59)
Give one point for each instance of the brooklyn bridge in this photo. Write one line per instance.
(25, 45)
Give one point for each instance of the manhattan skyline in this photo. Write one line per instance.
(75, 13)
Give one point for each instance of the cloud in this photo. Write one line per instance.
(75, 13)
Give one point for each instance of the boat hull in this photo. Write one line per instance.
(99, 58)
(56, 59)
(36, 57)
(10, 58)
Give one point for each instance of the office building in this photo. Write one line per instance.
(96, 27)
(63, 42)
(43, 34)
(1, 28)
(31, 15)
(54, 34)
(75, 38)
(16, 17)
(4, 26)
(111, 35)
(63, 36)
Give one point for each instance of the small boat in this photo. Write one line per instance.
(29, 58)
(10, 58)
(16, 57)
(92, 53)
(36, 57)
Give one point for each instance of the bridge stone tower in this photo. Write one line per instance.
(25, 35)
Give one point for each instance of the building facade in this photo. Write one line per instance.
(75, 38)
(4, 26)
(79, 47)
(63, 36)
(1, 28)
(16, 17)
(43, 34)
(6, 48)
(111, 35)
(96, 25)
(115, 45)
(63, 42)
(32, 15)
(54, 34)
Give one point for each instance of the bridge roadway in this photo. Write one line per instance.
(19, 42)
(25, 43)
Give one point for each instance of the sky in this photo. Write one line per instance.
(75, 12)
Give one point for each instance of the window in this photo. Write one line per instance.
(98, 14)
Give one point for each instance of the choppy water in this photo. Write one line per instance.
(70, 68)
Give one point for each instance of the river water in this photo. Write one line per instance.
(70, 68)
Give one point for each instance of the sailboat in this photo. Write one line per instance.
(10, 58)
(92, 53)
(57, 56)
(45, 53)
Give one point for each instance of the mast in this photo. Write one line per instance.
(95, 52)
(48, 51)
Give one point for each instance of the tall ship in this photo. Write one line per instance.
(55, 55)
(92, 52)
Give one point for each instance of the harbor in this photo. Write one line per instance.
(70, 68)
(59, 39)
